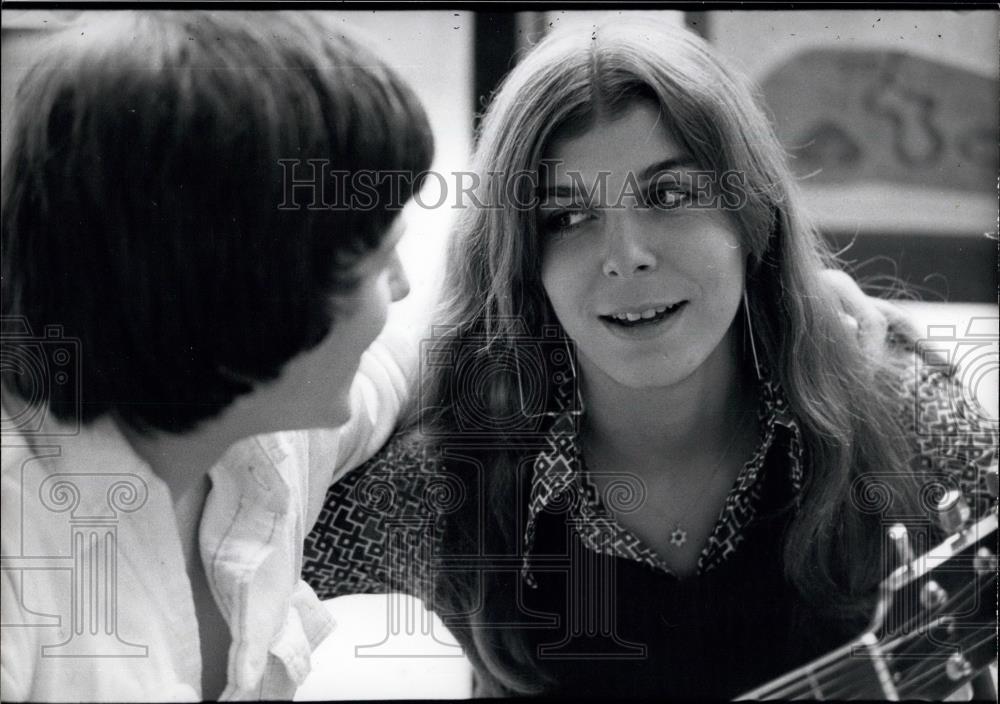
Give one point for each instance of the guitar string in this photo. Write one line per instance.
(916, 683)
(848, 685)
(940, 677)
(844, 683)
(959, 596)
(958, 600)
(825, 671)
(805, 687)
(955, 602)
(938, 674)
(850, 688)
(825, 679)
(825, 676)
(823, 685)
(820, 689)
(854, 690)
(798, 685)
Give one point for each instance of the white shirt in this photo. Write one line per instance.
(96, 601)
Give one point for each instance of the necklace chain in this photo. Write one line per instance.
(678, 536)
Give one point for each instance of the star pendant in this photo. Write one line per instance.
(678, 537)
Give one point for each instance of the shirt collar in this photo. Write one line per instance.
(556, 471)
(250, 536)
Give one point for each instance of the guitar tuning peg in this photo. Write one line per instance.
(932, 595)
(900, 539)
(953, 511)
(985, 562)
(992, 483)
(957, 667)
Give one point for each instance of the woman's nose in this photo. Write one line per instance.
(627, 253)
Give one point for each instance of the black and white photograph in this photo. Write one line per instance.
(380, 351)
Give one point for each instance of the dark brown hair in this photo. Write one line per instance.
(141, 202)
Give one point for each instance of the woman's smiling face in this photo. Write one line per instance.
(645, 285)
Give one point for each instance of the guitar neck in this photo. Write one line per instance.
(934, 629)
(853, 671)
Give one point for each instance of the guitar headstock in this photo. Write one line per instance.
(935, 626)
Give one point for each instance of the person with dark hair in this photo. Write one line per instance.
(647, 444)
(154, 258)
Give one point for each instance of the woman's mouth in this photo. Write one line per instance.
(648, 317)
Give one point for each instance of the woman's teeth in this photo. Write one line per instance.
(652, 314)
(646, 314)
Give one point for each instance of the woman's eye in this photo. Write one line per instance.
(565, 220)
(667, 198)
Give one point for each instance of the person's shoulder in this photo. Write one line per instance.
(407, 451)
(937, 396)
(13, 459)
(954, 439)
(20, 443)
(394, 481)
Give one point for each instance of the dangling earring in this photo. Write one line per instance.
(577, 407)
(749, 331)
(576, 410)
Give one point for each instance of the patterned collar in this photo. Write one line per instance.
(560, 478)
